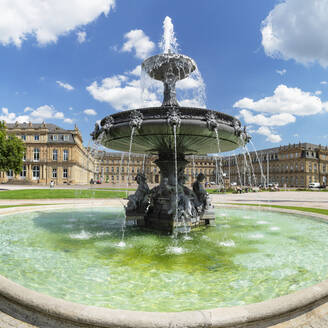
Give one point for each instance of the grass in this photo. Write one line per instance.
(115, 189)
(297, 208)
(22, 205)
(60, 193)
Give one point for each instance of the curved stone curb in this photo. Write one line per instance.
(294, 310)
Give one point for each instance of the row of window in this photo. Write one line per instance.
(36, 172)
(54, 137)
(36, 154)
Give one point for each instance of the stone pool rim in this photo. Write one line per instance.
(42, 310)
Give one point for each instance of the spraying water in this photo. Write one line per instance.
(260, 164)
(122, 243)
(169, 42)
(176, 171)
(220, 158)
(238, 171)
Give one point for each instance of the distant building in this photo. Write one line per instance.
(56, 154)
(113, 168)
(52, 154)
(294, 165)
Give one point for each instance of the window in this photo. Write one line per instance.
(36, 154)
(36, 172)
(55, 155)
(65, 137)
(54, 137)
(112, 168)
(65, 155)
(54, 173)
(10, 174)
(24, 157)
(65, 173)
(23, 136)
(36, 137)
(23, 172)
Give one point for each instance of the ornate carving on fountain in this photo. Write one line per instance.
(203, 199)
(173, 117)
(211, 121)
(107, 123)
(136, 119)
(139, 201)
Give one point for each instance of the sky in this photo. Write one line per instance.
(73, 62)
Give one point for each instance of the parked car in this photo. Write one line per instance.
(314, 185)
(98, 182)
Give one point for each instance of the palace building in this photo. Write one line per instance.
(52, 154)
(114, 168)
(294, 165)
(56, 154)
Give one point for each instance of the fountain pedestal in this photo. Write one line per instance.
(171, 132)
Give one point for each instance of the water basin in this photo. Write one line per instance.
(78, 255)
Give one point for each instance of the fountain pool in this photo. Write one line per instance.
(249, 257)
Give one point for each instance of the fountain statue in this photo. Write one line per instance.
(171, 132)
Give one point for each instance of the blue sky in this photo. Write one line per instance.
(75, 61)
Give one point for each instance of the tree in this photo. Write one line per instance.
(12, 150)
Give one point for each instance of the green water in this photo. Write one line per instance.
(250, 256)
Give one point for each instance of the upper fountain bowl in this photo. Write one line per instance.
(157, 66)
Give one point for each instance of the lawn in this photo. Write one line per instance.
(297, 208)
(60, 193)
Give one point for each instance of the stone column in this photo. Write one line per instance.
(166, 164)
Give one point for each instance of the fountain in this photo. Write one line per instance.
(171, 132)
(80, 267)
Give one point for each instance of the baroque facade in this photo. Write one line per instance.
(294, 165)
(52, 154)
(114, 168)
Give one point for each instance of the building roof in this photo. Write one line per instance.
(49, 126)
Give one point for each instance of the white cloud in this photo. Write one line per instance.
(136, 71)
(191, 103)
(46, 20)
(81, 36)
(274, 120)
(271, 136)
(90, 112)
(38, 115)
(65, 85)
(122, 93)
(318, 93)
(281, 72)
(323, 82)
(140, 42)
(297, 29)
(8, 117)
(285, 100)
(188, 83)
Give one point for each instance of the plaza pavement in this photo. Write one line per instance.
(317, 199)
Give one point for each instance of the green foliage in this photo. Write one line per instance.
(11, 151)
